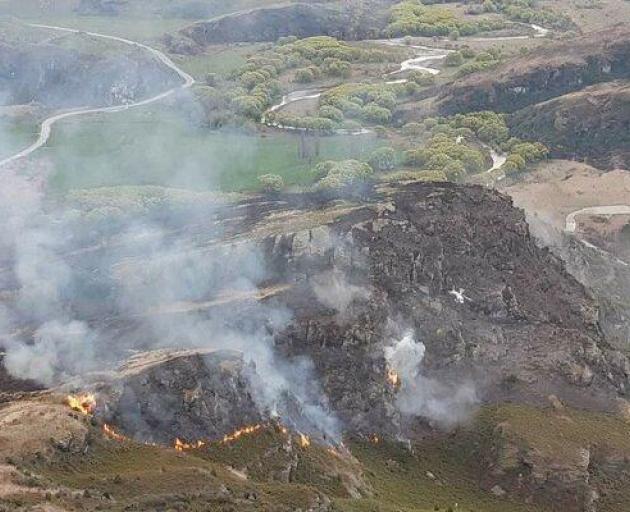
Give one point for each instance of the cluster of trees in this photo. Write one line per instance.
(315, 57)
(487, 126)
(336, 175)
(448, 155)
(447, 149)
(470, 61)
(528, 11)
(524, 11)
(371, 103)
(521, 153)
(320, 125)
(248, 92)
(411, 17)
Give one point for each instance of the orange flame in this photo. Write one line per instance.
(240, 433)
(112, 434)
(393, 378)
(85, 403)
(181, 446)
(305, 441)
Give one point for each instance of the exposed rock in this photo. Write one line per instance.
(44, 73)
(526, 329)
(192, 395)
(591, 124)
(548, 72)
(354, 20)
(497, 490)
(555, 402)
(100, 7)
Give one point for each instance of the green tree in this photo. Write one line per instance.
(382, 159)
(304, 76)
(271, 182)
(454, 59)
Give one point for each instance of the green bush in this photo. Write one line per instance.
(412, 18)
(271, 182)
(421, 78)
(382, 159)
(339, 174)
(332, 113)
(375, 114)
(304, 76)
(454, 59)
(411, 129)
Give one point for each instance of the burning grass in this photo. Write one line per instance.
(281, 467)
(85, 403)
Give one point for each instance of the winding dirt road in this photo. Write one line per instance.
(47, 124)
(619, 209)
(571, 225)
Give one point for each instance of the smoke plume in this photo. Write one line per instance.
(446, 404)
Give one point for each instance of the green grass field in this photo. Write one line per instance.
(155, 146)
(15, 136)
(216, 59)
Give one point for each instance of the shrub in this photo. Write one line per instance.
(271, 182)
(412, 129)
(339, 174)
(493, 132)
(513, 163)
(375, 114)
(351, 125)
(421, 77)
(304, 76)
(454, 59)
(467, 53)
(332, 113)
(382, 159)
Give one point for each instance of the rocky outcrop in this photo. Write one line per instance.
(160, 396)
(547, 72)
(350, 21)
(454, 265)
(100, 7)
(44, 73)
(521, 320)
(592, 125)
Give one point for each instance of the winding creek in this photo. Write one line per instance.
(421, 62)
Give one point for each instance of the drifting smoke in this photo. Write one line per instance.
(156, 279)
(333, 290)
(421, 396)
(60, 346)
(161, 290)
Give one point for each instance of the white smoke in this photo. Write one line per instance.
(333, 290)
(446, 404)
(58, 352)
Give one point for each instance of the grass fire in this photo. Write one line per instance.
(85, 403)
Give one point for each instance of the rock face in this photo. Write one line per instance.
(552, 71)
(592, 124)
(44, 73)
(524, 327)
(454, 265)
(301, 20)
(100, 7)
(192, 395)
